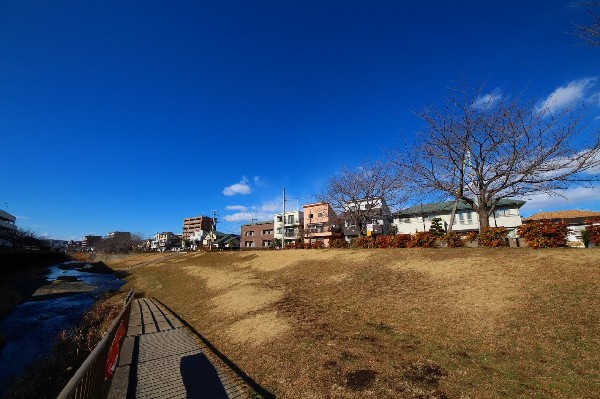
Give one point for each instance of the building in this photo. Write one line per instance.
(202, 224)
(320, 223)
(257, 235)
(228, 241)
(289, 227)
(119, 235)
(7, 228)
(419, 217)
(166, 241)
(91, 241)
(575, 219)
(370, 217)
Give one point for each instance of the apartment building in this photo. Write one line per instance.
(289, 227)
(91, 241)
(320, 223)
(257, 235)
(194, 225)
(166, 241)
(7, 227)
(119, 235)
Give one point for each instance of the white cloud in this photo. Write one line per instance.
(242, 188)
(248, 216)
(572, 198)
(564, 96)
(21, 217)
(240, 208)
(486, 101)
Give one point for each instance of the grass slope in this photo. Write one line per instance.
(414, 323)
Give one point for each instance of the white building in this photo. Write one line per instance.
(366, 217)
(7, 225)
(289, 226)
(419, 217)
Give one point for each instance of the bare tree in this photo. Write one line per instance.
(360, 194)
(590, 33)
(482, 148)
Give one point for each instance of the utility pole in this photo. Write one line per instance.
(213, 229)
(283, 226)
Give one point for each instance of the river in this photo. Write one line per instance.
(32, 327)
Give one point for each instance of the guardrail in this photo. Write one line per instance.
(93, 378)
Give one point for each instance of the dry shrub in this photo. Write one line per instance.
(362, 242)
(400, 240)
(493, 237)
(423, 239)
(338, 243)
(544, 234)
(382, 241)
(453, 240)
(593, 231)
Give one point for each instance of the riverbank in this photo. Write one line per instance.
(48, 376)
(22, 273)
(426, 323)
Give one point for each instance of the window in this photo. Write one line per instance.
(250, 233)
(279, 218)
(249, 244)
(266, 243)
(469, 217)
(319, 215)
(290, 219)
(279, 230)
(310, 216)
(502, 212)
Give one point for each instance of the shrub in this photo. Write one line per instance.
(382, 241)
(493, 237)
(338, 243)
(592, 231)
(471, 236)
(453, 240)
(400, 240)
(436, 227)
(423, 239)
(317, 245)
(544, 234)
(362, 242)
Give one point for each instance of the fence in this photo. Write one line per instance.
(91, 380)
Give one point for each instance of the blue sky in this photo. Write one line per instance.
(133, 115)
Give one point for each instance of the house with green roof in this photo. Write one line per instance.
(419, 217)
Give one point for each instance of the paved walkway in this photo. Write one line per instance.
(161, 359)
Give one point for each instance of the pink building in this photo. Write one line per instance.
(320, 223)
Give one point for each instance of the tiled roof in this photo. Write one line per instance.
(571, 214)
(443, 207)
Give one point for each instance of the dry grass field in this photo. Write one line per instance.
(398, 323)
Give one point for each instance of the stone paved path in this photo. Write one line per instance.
(161, 359)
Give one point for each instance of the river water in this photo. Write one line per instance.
(32, 327)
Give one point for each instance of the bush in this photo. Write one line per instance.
(592, 231)
(436, 227)
(493, 237)
(544, 234)
(400, 240)
(382, 241)
(423, 239)
(453, 240)
(338, 243)
(362, 242)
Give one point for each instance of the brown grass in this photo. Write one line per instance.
(409, 323)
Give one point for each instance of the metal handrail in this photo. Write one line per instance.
(89, 380)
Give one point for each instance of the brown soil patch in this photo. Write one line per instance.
(258, 329)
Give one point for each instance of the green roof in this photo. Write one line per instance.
(445, 207)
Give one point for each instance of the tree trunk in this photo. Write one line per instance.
(484, 220)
